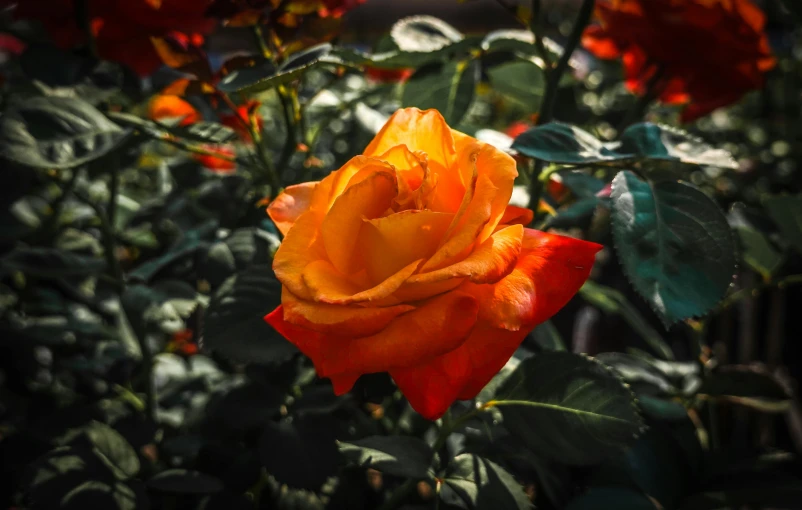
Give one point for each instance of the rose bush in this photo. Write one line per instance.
(409, 260)
(701, 53)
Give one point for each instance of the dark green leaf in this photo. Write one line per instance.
(405, 456)
(756, 249)
(206, 132)
(187, 246)
(576, 214)
(56, 132)
(235, 325)
(295, 66)
(301, 451)
(786, 211)
(112, 448)
(747, 385)
(581, 184)
(637, 370)
(610, 300)
(520, 82)
(448, 87)
(674, 243)
(182, 481)
(50, 263)
(665, 143)
(476, 483)
(562, 143)
(547, 337)
(604, 498)
(583, 411)
(246, 76)
(423, 34)
(794, 8)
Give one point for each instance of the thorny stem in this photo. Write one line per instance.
(553, 77)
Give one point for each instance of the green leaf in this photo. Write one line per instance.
(751, 386)
(183, 481)
(423, 34)
(56, 132)
(665, 143)
(674, 243)
(112, 448)
(50, 263)
(521, 82)
(756, 250)
(562, 143)
(583, 411)
(404, 456)
(518, 40)
(547, 337)
(612, 301)
(447, 87)
(246, 76)
(206, 132)
(476, 483)
(235, 326)
(581, 184)
(252, 82)
(786, 211)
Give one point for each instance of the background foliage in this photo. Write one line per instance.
(136, 370)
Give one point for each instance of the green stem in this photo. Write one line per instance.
(402, 493)
(554, 76)
(735, 297)
(536, 27)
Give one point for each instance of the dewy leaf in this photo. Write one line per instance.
(476, 483)
(423, 34)
(562, 143)
(234, 324)
(50, 263)
(522, 83)
(404, 456)
(448, 87)
(674, 243)
(750, 386)
(570, 408)
(786, 211)
(657, 142)
(56, 132)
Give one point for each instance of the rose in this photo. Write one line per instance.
(703, 53)
(132, 31)
(409, 260)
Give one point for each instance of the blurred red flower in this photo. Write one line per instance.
(183, 342)
(139, 33)
(241, 118)
(702, 53)
(387, 75)
(216, 164)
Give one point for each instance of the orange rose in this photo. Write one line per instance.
(409, 260)
(708, 53)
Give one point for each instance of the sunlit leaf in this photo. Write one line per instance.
(674, 243)
(476, 483)
(423, 34)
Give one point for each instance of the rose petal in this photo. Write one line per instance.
(341, 226)
(301, 246)
(338, 319)
(290, 204)
(327, 285)
(393, 242)
(549, 271)
(489, 262)
(516, 215)
(425, 131)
